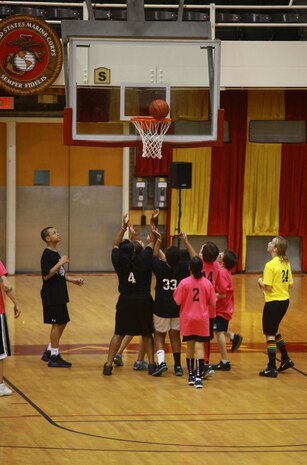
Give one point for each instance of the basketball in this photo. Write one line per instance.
(158, 109)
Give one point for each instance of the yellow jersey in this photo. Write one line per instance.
(278, 275)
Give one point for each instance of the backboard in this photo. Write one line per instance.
(115, 69)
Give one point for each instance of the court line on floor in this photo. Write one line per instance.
(151, 443)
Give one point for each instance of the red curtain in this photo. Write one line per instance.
(227, 175)
(293, 183)
(153, 166)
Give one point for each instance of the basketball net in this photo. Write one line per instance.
(152, 132)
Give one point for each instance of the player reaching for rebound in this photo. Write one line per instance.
(169, 271)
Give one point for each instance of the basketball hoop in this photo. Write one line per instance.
(152, 132)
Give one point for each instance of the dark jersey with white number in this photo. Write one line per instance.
(136, 279)
(167, 280)
(54, 290)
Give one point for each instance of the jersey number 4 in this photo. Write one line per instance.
(131, 278)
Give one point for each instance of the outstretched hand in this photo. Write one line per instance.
(154, 216)
(126, 221)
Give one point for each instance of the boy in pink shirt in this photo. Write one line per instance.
(225, 308)
(195, 295)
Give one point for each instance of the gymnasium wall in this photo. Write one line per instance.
(243, 64)
(85, 215)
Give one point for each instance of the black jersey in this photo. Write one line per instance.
(167, 281)
(136, 279)
(54, 290)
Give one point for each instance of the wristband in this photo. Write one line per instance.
(159, 240)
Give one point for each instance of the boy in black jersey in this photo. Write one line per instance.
(169, 271)
(134, 305)
(55, 296)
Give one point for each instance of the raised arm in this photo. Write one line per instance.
(154, 217)
(157, 245)
(189, 247)
(119, 236)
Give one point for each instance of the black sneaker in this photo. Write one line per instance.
(269, 373)
(46, 356)
(208, 372)
(198, 383)
(236, 342)
(161, 368)
(191, 380)
(151, 368)
(222, 366)
(285, 364)
(107, 369)
(178, 370)
(56, 361)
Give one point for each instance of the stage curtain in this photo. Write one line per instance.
(190, 104)
(194, 201)
(227, 175)
(153, 166)
(293, 183)
(262, 170)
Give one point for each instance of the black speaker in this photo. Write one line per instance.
(181, 175)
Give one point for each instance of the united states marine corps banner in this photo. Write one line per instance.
(30, 55)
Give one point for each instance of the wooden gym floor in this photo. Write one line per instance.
(77, 416)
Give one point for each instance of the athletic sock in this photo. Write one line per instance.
(271, 350)
(54, 351)
(177, 359)
(198, 372)
(49, 346)
(280, 343)
(190, 365)
(201, 362)
(232, 336)
(160, 356)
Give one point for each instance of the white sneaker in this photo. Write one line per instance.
(4, 390)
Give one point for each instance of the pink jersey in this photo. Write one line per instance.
(210, 271)
(3, 272)
(194, 297)
(224, 285)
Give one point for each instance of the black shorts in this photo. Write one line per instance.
(196, 338)
(273, 313)
(5, 347)
(221, 324)
(134, 315)
(56, 314)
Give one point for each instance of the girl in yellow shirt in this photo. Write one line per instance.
(275, 284)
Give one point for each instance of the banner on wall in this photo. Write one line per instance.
(31, 55)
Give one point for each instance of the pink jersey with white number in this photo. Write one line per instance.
(3, 272)
(194, 297)
(224, 285)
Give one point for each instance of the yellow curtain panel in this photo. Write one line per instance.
(262, 170)
(195, 201)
